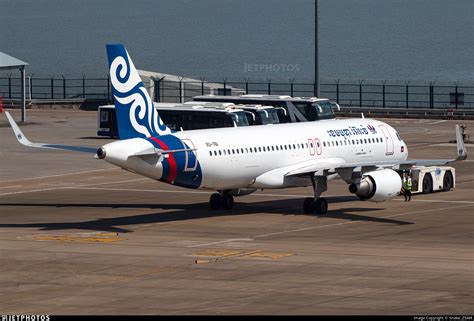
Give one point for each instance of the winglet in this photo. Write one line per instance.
(462, 151)
(18, 133)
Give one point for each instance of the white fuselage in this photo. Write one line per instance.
(260, 156)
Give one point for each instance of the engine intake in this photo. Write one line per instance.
(377, 186)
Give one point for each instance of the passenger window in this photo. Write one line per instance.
(324, 144)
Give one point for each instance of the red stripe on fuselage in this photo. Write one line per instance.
(171, 161)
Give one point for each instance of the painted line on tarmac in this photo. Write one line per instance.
(191, 192)
(437, 201)
(353, 222)
(437, 122)
(59, 175)
(11, 186)
(32, 191)
(83, 186)
(91, 187)
(220, 242)
(254, 195)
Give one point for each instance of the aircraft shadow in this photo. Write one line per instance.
(183, 212)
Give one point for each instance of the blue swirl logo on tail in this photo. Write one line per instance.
(136, 115)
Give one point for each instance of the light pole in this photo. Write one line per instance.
(316, 51)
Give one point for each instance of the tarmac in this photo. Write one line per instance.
(79, 236)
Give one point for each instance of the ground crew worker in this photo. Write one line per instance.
(407, 187)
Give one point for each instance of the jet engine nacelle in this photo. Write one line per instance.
(377, 186)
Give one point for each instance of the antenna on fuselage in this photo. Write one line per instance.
(362, 114)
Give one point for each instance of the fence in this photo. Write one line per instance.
(374, 94)
(56, 88)
(346, 94)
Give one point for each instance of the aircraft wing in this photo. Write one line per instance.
(325, 168)
(334, 165)
(24, 141)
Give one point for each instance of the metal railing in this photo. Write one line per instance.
(38, 88)
(378, 94)
(356, 94)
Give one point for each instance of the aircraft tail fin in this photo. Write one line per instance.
(136, 115)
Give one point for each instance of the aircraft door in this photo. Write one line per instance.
(191, 156)
(388, 140)
(319, 147)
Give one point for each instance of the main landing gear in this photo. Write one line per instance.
(317, 204)
(221, 200)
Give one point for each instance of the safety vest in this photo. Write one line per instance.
(407, 184)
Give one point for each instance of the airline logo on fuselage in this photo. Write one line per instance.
(372, 129)
(352, 131)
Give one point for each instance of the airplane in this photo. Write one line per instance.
(237, 161)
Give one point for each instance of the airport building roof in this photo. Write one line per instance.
(9, 62)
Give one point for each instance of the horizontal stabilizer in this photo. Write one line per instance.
(157, 151)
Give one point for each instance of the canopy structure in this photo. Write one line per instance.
(8, 62)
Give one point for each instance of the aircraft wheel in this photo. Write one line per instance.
(321, 206)
(427, 184)
(309, 205)
(447, 181)
(215, 201)
(227, 201)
